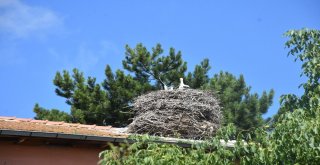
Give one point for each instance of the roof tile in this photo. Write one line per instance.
(24, 124)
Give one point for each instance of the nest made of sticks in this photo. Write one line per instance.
(188, 113)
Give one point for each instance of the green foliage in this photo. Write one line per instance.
(121, 89)
(239, 106)
(294, 140)
(145, 151)
(296, 137)
(304, 46)
(53, 114)
(89, 103)
(199, 77)
(148, 66)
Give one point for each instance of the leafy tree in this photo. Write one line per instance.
(305, 46)
(238, 105)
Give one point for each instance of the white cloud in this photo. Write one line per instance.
(21, 20)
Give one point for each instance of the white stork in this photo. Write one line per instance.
(182, 85)
(166, 88)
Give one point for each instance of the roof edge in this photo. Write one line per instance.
(186, 143)
(9, 132)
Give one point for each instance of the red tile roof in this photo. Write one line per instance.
(23, 124)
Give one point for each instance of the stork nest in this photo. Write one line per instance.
(189, 113)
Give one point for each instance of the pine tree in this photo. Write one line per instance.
(199, 77)
(121, 89)
(89, 103)
(148, 66)
(239, 106)
(52, 115)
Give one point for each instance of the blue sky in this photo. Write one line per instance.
(39, 38)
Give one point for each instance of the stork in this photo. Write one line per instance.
(182, 85)
(166, 88)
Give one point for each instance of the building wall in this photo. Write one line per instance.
(31, 154)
